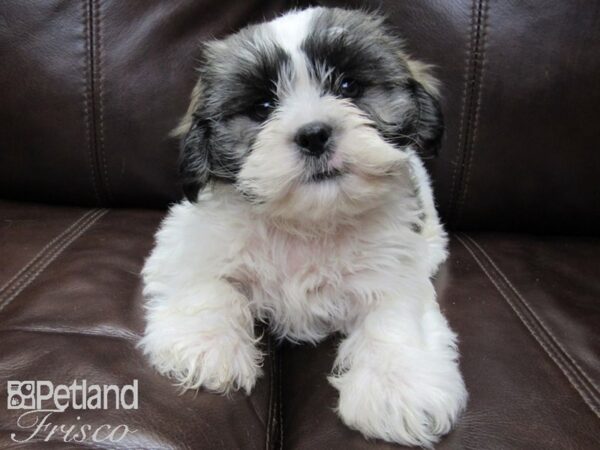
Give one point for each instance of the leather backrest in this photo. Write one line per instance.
(89, 91)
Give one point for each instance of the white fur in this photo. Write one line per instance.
(351, 255)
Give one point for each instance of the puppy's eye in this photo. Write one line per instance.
(350, 88)
(261, 109)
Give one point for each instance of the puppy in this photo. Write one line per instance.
(308, 208)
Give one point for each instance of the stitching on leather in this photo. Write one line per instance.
(39, 254)
(469, 112)
(100, 88)
(271, 381)
(95, 332)
(483, 12)
(50, 256)
(530, 327)
(552, 353)
(461, 131)
(87, 99)
(527, 305)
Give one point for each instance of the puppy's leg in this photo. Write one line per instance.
(199, 328)
(397, 371)
(432, 231)
(201, 334)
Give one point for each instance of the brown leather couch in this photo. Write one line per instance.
(89, 90)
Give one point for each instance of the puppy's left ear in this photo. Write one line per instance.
(429, 120)
(429, 125)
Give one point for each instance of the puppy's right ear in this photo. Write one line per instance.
(194, 159)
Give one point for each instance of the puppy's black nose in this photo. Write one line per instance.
(313, 138)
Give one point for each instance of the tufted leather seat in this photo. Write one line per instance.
(89, 90)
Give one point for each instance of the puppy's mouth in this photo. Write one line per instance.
(320, 177)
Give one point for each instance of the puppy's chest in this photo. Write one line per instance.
(282, 265)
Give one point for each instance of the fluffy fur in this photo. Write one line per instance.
(311, 245)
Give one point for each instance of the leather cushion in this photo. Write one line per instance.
(524, 309)
(523, 395)
(80, 317)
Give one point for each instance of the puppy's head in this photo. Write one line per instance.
(310, 115)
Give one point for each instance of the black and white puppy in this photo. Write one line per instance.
(308, 208)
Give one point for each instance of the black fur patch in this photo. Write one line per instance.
(361, 47)
(235, 77)
(355, 45)
(236, 80)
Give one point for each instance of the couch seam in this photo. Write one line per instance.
(100, 87)
(280, 397)
(96, 109)
(270, 403)
(39, 254)
(88, 98)
(552, 353)
(51, 255)
(527, 305)
(481, 55)
(471, 79)
(463, 110)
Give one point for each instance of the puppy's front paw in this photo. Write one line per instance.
(410, 409)
(218, 361)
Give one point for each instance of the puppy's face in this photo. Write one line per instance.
(309, 115)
